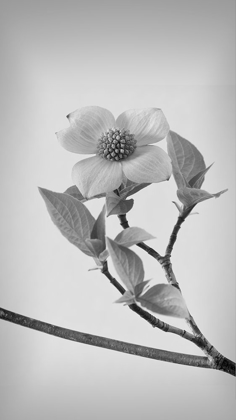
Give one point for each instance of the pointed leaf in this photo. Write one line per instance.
(72, 218)
(99, 228)
(132, 188)
(128, 265)
(187, 161)
(75, 192)
(123, 207)
(197, 180)
(116, 205)
(95, 245)
(127, 298)
(164, 299)
(133, 236)
(141, 288)
(191, 196)
(178, 206)
(104, 255)
(217, 195)
(175, 160)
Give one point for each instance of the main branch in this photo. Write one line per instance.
(107, 343)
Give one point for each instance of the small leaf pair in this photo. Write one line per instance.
(75, 192)
(115, 204)
(130, 188)
(76, 223)
(118, 203)
(163, 299)
(189, 171)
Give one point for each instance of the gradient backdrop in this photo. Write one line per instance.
(58, 56)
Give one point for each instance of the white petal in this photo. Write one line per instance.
(86, 126)
(149, 125)
(147, 164)
(96, 175)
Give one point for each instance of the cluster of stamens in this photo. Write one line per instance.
(116, 144)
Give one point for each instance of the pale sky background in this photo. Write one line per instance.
(59, 56)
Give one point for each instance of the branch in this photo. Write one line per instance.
(174, 234)
(115, 345)
(155, 322)
(220, 362)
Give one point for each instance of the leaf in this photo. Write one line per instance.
(197, 180)
(72, 218)
(132, 236)
(104, 255)
(128, 265)
(99, 228)
(191, 196)
(95, 245)
(127, 298)
(116, 205)
(164, 299)
(132, 188)
(187, 161)
(139, 288)
(75, 192)
(178, 206)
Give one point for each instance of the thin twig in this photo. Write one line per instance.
(155, 322)
(173, 236)
(115, 345)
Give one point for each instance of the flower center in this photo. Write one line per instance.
(116, 144)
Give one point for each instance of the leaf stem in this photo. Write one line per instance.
(98, 341)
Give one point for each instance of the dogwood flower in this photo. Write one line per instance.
(121, 147)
